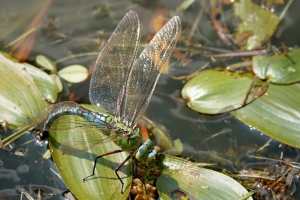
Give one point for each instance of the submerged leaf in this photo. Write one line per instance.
(164, 141)
(258, 24)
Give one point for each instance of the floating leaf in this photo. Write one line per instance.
(74, 167)
(74, 73)
(255, 20)
(57, 82)
(276, 114)
(283, 69)
(20, 98)
(46, 63)
(215, 92)
(43, 81)
(182, 179)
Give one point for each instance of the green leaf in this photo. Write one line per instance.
(43, 81)
(46, 63)
(20, 98)
(283, 69)
(260, 23)
(185, 5)
(276, 114)
(74, 167)
(73, 73)
(57, 82)
(183, 179)
(216, 92)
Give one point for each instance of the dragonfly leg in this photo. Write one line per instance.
(100, 156)
(117, 169)
(134, 160)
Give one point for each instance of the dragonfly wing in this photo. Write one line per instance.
(113, 64)
(147, 68)
(77, 135)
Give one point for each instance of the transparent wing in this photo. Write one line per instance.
(113, 64)
(146, 70)
(82, 135)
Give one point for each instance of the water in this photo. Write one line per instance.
(79, 22)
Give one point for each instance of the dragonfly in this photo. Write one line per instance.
(122, 85)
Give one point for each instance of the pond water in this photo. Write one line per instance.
(75, 27)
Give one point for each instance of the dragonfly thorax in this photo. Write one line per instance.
(131, 136)
(122, 120)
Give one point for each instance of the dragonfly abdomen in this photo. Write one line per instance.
(71, 108)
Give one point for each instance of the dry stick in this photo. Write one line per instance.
(77, 55)
(235, 66)
(187, 77)
(243, 53)
(285, 9)
(249, 90)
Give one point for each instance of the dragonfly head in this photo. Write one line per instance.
(131, 136)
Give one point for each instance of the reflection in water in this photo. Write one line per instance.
(30, 172)
(208, 157)
(9, 175)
